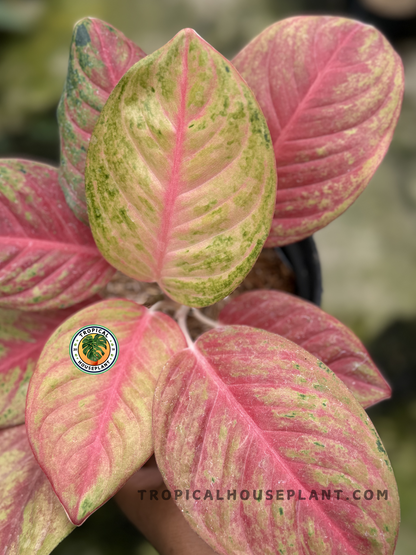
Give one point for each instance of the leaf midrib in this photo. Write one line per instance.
(135, 339)
(173, 186)
(253, 426)
(287, 128)
(43, 244)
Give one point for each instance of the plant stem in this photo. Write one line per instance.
(180, 316)
(164, 304)
(156, 306)
(204, 319)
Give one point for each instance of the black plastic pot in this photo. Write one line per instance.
(302, 257)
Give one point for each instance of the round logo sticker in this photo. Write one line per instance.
(94, 349)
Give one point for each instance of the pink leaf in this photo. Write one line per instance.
(180, 177)
(331, 91)
(249, 410)
(90, 433)
(316, 331)
(99, 56)
(48, 259)
(32, 519)
(22, 338)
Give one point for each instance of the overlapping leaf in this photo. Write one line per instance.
(316, 331)
(99, 56)
(22, 338)
(90, 433)
(250, 410)
(32, 519)
(331, 91)
(180, 176)
(48, 259)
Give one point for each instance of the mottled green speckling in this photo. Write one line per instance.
(22, 338)
(99, 56)
(183, 148)
(243, 379)
(49, 259)
(102, 423)
(32, 520)
(342, 85)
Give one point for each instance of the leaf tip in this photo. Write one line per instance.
(189, 36)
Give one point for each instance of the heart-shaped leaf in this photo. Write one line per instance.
(331, 91)
(99, 56)
(22, 338)
(316, 331)
(90, 433)
(48, 259)
(249, 410)
(32, 519)
(180, 176)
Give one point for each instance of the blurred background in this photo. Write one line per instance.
(368, 255)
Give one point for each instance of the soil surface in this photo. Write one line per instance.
(269, 272)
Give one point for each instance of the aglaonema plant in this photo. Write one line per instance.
(179, 168)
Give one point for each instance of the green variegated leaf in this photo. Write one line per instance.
(48, 258)
(22, 338)
(317, 332)
(180, 177)
(32, 520)
(331, 90)
(250, 412)
(99, 56)
(90, 433)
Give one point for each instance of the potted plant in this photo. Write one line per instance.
(178, 168)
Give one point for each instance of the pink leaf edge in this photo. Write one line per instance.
(99, 57)
(32, 518)
(317, 332)
(49, 258)
(331, 90)
(90, 433)
(22, 338)
(246, 410)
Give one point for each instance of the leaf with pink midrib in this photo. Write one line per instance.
(180, 176)
(48, 258)
(246, 409)
(331, 91)
(99, 57)
(32, 520)
(316, 331)
(90, 433)
(22, 338)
